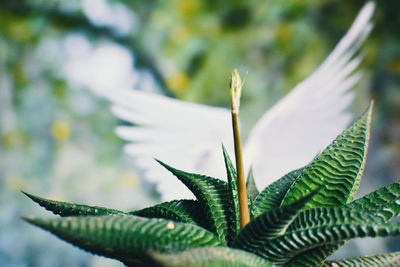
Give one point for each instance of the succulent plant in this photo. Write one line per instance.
(299, 220)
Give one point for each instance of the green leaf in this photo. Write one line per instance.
(314, 256)
(326, 231)
(213, 195)
(187, 211)
(272, 196)
(251, 187)
(391, 259)
(204, 257)
(293, 243)
(68, 209)
(384, 201)
(269, 225)
(338, 168)
(232, 204)
(322, 217)
(127, 237)
(326, 216)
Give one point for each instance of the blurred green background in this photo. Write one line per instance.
(56, 135)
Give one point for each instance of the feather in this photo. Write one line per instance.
(188, 136)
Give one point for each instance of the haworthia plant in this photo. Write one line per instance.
(299, 220)
(338, 168)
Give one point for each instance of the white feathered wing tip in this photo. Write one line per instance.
(188, 136)
(306, 120)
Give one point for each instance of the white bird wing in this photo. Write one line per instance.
(188, 136)
(185, 135)
(306, 120)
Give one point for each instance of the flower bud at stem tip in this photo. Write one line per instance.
(236, 91)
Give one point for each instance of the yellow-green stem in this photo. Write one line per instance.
(241, 185)
(236, 87)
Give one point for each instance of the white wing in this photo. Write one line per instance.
(304, 122)
(184, 135)
(188, 136)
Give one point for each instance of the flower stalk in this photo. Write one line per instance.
(236, 91)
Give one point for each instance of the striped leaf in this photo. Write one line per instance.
(326, 216)
(294, 242)
(384, 201)
(232, 204)
(187, 211)
(338, 168)
(205, 257)
(69, 209)
(314, 256)
(127, 238)
(272, 196)
(251, 187)
(269, 225)
(213, 195)
(322, 217)
(387, 260)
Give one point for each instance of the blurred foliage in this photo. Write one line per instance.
(54, 133)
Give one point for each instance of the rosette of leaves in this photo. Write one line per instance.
(299, 220)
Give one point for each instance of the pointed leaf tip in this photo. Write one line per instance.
(213, 195)
(338, 168)
(70, 209)
(28, 219)
(252, 190)
(233, 213)
(126, 237)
